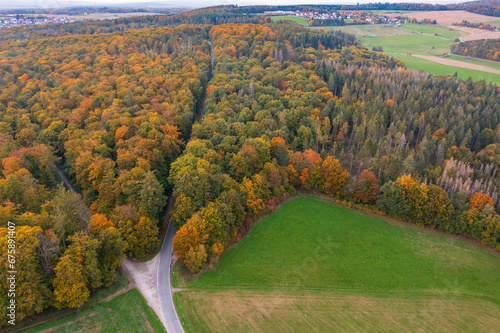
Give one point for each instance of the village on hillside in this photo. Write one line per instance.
(352, 17)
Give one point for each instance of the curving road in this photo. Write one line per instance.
(165, 263)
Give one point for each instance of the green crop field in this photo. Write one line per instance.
(439, 69)
(493, 22)
(128, 312)
(415, 43)
(490, 64)
(371, 30)
(439, 31)
(299, 20)
(316, 266)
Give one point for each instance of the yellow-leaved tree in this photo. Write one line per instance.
(335, 177)
(416, 194)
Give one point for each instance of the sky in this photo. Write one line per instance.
(4, 4)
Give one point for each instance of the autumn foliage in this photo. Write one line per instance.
(287, 109)
(479, 200)
(367, 187)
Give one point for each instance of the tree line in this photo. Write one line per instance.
(484, 48)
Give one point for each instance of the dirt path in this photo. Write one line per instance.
(474, 58)
(144, 277)
(456, 63)
(475, 34)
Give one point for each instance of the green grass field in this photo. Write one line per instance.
(491, 64)
(438, 69)
(299, 20)
(371, 30)
(439, 31)
(416, 43)
(492, 22)
(315, 266)
(128, 312)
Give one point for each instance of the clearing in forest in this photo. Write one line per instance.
(316, 266)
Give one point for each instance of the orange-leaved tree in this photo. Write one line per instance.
(367, 187)
(186, 238)
(479, 200)
(335, 177)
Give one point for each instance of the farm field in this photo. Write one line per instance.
(494, 22)
(448, 17)
(296, 311)
(491, 64)
(415, 63)
(319, 266)
(457, 63)
(437, 30)
(415, 43)
(371, 30)
(128, 312)
(475, 34)
(299, 20)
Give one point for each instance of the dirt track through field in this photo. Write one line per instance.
(456, 63)
(476, 34)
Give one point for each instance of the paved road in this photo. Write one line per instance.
(170, 318)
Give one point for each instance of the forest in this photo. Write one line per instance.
(484, 48)
(114, 110)
(288, 109)
(483, 7)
